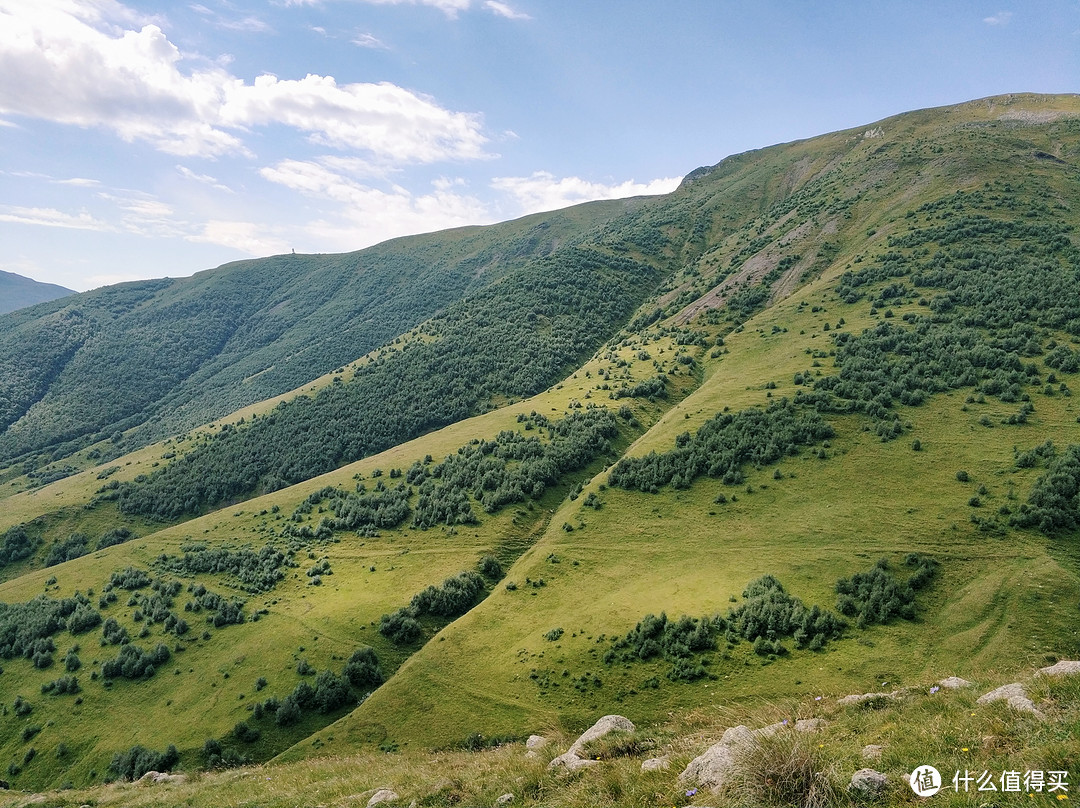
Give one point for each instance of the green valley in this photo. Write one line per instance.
(801, 429)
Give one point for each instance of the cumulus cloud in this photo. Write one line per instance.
(504, 10)
(72, 63)
(1001, 18)
(544, 191)
(366, 214)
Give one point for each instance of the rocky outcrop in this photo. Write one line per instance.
(714, 766)
(1014, 694)
(572, 760)
(872, 751)
(1065, 667)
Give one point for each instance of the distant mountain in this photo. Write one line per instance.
(17, 292)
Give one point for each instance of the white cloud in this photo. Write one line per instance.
(1001, 18)
(365, 215)
(51, 217)
(205, 179)
(70, 63)
(369, 41)
(504, 10)
(243, 236)
(543, 191)
(80, 182)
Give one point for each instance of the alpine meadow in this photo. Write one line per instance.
(759, 465)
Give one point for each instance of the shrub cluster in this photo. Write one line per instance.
(455, 596)
(134, 662)
(138, 760)
(722, 446)
(771, 614)
(1053, 505)
(256, 571)
(878, 596)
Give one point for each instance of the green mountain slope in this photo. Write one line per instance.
(164, 356)
(808, 359)
(17, 292)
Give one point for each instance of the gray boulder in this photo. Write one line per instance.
(505, 799)
(536, 742)
(572, 760)
(1014, 694)
(1065, 667)
(810, 724)
(868, 783)
(712, 767)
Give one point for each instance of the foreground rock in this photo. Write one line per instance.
(572, 760)
(868, 783)
(872, 751)
(715, 765)
(1065, 667)
(383, 795)
(505, 799)
(1014, 694)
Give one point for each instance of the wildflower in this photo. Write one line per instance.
(784, 722)
(817, 698)
(965, 749)
(691, 792)
(934, 690)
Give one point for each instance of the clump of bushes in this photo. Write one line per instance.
(138, 760)
(878, 596)
(455, 596)
(134, 662)
(770, 614)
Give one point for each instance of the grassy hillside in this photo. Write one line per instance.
(847, 363)
(168, 355)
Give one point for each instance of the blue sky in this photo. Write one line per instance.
(144, 139)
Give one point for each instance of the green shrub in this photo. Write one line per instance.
(138, 760)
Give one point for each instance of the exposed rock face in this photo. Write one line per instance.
(383, 795)
(955, 682)
(810, 724)
(1014, 694)
(505, 799)
(712, 767)
(572, 760)
(868, 783)
(1065, 667)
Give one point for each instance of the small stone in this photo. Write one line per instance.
(536, 742)
(868, 783)
(955, 683)
(872, 751)
(1065, 667)
(810, 724)
(381, 796)
(660, 764)
(571, 762)
(505, 799)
